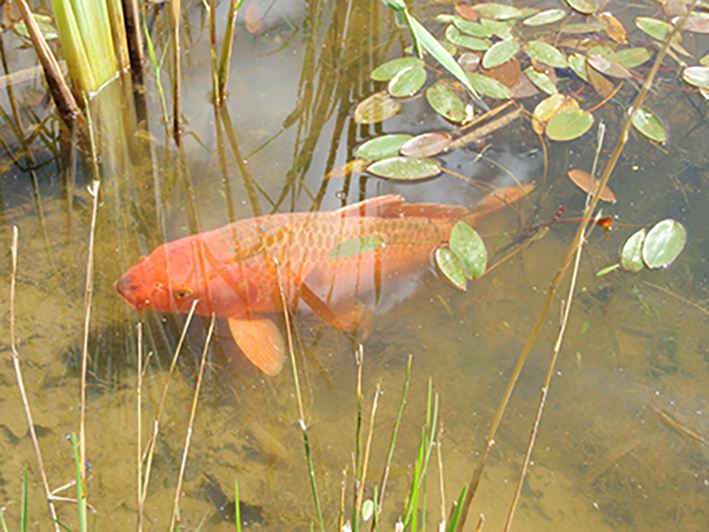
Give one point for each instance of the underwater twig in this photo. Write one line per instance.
(190, 425)
(21, 384)
(561, 272)
(301, 421)
(156, 422)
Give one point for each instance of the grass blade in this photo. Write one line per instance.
(23, 523)
(237, 510)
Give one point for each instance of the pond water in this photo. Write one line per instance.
(618, 446)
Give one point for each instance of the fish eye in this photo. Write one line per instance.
(183, 293)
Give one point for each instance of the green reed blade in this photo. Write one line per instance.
(80, 498)
(156, 72)
(237, 510)
(456, 514)
(24, 501)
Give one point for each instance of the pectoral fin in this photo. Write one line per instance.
(347, 316)
(261, 342)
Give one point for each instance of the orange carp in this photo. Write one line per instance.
(325, 260)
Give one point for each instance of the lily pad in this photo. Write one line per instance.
(650, 125)
(467, 244)
(663, 243)
(507, 73)
(446, 102)
(383, 147)
(405, 168)
(391, 68)
(377, 108)
(604, 87)
(587, 183)
(489, 87)
(466, 11)
(698, 76)
(451, 268)
(542, 81)
(633, 57)
(569, 125)
(657, 29)
(468, 42)
(614, 28)
(546, 53)
(545, 17)
(472, 28)
(499, 53)
(608, 67)
(547, 108)
(426, 144)
(407, 82)
(585, 7)
(631, 254)
(577, 62)
(355, 246)
(500, 28)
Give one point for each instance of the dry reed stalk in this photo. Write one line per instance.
(177, 65)
(193, 412)
(440, 475)
(93, 191)
(561, 272)
(367, 448)
(156, 422)
(21, 384)
(139, 416)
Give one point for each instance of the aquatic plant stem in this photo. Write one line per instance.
(193, 412)
(301, 410)
(365, 461)
(175, 12)
(225, 57)
(21, 383)
(156, 422)
(556, 281)
(139, 411)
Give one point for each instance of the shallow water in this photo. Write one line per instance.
(605, 458)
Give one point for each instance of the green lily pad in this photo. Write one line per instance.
(501, 28)
(405, 168)
(631, 254)
(427, 144)
(467, 244)
(698, 76)
(472, 28)
(407, 82)
(451, 268)
(446, 102)
(498, 11)
(650, 125)
(577, 62)
(633, 57)
(391, 68)
(378, 107)
(499, 53)
(454, 35)
(545, 17)
(546, 53)
(585, 7)
(382, 147)
(489, 87)
(663, 243)
(569, 124)
(355, 246)
(657, 29)
(541, 80)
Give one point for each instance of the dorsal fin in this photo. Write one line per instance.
(425, 210)
(376, 206)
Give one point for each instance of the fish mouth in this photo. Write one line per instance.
(127, 290)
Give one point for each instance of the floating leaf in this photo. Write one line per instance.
(347, 169)
(465, 41)
(585, 7)
(545, 17)
(663, 243)
(607, 270)
(391, 68)
(498, 11)
(585, 182)
(469, 61)
(697, 76)
(466, 11)
(546, 53)
(472, 28)
(499, 53)
(383, 147)
(426, 144)
(582, 27)
(467, 244)
(569, 125)
(507, 73)
(502, 29)
(650, 125)
(254, 17)
(577, 62)
(633, 57)
(450, 267)
(367, 509)
(524, 87)
(407, 82)
(547, 108)
(695, 24)
(355, 246)
(608, 67)
(489, 86)
(378, 107)
(542, 81)
(405, 168)
(604, 87)
(614, 28)
(446, 102)
(631, 254)
(657, 29)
